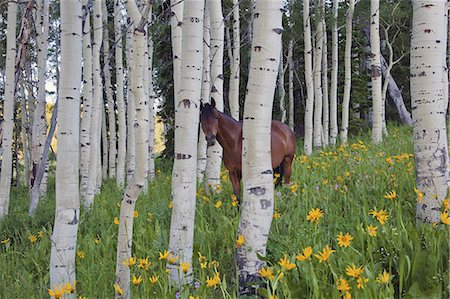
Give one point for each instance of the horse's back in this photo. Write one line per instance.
(283, 142)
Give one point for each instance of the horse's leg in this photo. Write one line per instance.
(235, 179)
(286, 166)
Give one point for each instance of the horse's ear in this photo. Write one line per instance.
(213, 103)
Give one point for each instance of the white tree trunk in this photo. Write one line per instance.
(176, 21)
(8, 109)
(95, 128)
(131, 110)
(64, 237)
(85, 131)
(186, 134)
(309, 80)
(428, 72)
(377, 102)
(205, 95)
(134, 186)
(215, 152)
(235, 63)
(291, 85)
(334, 76)
(122, 129)
(112, 138)
(105, 146)
(326, 104)
(318, 95)
(281, 89)
(257, 205)
(348, 71)
(151, 110)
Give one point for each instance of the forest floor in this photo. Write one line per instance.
(367, 203)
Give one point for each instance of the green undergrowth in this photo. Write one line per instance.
(348, 184)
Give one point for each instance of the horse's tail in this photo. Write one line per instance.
(278, 172)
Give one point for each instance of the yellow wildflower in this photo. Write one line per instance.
(354, 271)
(325, 254)
(137, 280)
(419, 195)
(342, 285)
(203, 265)
(276, 215)
(163, 256)
(153, 279)
(214, 264)
(381, 215)
(170, 205)
(192, 297)
(361, 282)
(172, 259)
(118, 289)
(390, 195)
(234, 201)
(5, 241)
(136, 214)
(286, 264)
(116, 221)
(129, 262)
(150, 216)
(240, 241)
(266, 273)
(185, 266)
(32, 238)
(41, 234)
(218, 204)
(445, 218)
(344, 240)
(372, 230)
(383, 278)
(307, 252)
(294, 188)
(314, 215)
(213, 282)
(57, 292)
(144, 264)
(69, 288)
(347, 295)
(81, 254)
(446, 204)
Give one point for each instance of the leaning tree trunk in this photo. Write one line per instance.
(205, 95)
(318, 95)
(122, 129)
(67, 214)
(95, 128)
(186, 136)
(309, 79)
(348, 70)
(334, 76)
(428, 71)
(375, 73)
(8, 109)
(257, 205)
(134, 186)
(215, 152)
(235, 63)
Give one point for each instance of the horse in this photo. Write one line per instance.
(220, 127)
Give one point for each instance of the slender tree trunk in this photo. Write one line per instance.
(348, 70)
(131, 109)
(326, 104)
(235, 63)
(94, 161)
(281, 89)
(428, 72)
(291, 85)
(122, 129)
(257, 205)
(205, 95)
(134, 186)
(64, 237)
(105, 146)
(309, 80)
(334, 76)
(176, 21)
(215, 152)
(186, 134)
(24, 134)
(377, 101)
(8, 109)
(318, 95)
(151, 109)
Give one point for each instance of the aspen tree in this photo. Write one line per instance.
(326, 104)
(309, 79)
(176, 29)
(318, 94)
(131, 114)
(334, 76)
(291, 84)
(235, 63)
(375, 74)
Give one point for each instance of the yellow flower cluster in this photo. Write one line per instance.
(314, 215)
(59, 291)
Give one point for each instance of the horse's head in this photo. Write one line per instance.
(209, 120)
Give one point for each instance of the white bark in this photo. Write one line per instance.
(151, 109)
(104, 149)
(281, 89)
(186, 134)
(176, 21)
(121, 142)
(291, 85)
(64, 237)
(348, 70)
(257, 205)
(215, 152)
(235, 63)
(334, 76)
(205, 95)
(131, 114)
(377, 102)
(8, 109)
(326, 105)
(318, 95)
(95, 128)
(309, 80)
(428, 72)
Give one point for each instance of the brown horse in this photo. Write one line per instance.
(228, 132)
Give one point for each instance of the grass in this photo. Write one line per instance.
(345, 183)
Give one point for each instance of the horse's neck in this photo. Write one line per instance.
(229, 131)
